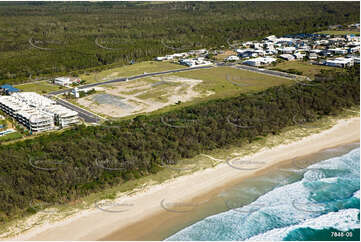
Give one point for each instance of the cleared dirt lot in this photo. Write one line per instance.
(143, 95)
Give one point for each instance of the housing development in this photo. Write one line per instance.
(321, 49)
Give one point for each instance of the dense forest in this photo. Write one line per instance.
(42, 39)
(64, 167)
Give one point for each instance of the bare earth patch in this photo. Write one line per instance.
(141, 96)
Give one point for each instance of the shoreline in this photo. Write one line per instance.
(98, 224)
(172, 223)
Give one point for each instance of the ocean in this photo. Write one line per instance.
(305, 201)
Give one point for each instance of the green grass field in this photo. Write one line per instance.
(157, 95)
(4, 124)
(306, 68)
(228, 81)
(39, 87)
(224, 82)
(12, 136)
(130, 70)
(340, 32)
(218, 82)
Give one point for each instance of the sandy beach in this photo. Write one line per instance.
(131, 212)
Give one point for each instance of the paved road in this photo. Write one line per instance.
(263, 71)
(269, 72)
(84, 114)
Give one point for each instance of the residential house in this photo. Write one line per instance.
(232, 58)
(312, 56)
(337, 51)
(299, 55)
(286, 50)
(287, 57)
(195, 62)
(65, 81)
(336, 40)
(340, 62)
(271, 38)
(260, 61)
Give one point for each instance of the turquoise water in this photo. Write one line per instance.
(318, 202)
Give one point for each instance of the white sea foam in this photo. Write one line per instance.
(357, 194)
(325, 197)
(342, 220)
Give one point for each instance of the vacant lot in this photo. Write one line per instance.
(130, 70)
(306, 68)
(225, 54)
(39, 87)
(175, 90)
(228, 81)
(141, 96)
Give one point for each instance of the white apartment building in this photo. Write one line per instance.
(11, 106)
(63, 116)
(36, 112)
(35, 120)
(26, 115)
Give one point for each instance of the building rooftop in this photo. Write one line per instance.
(33, 99)
(340, 60)
(63, 79)
(9, 88)
(12, 103)
(60, 110)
